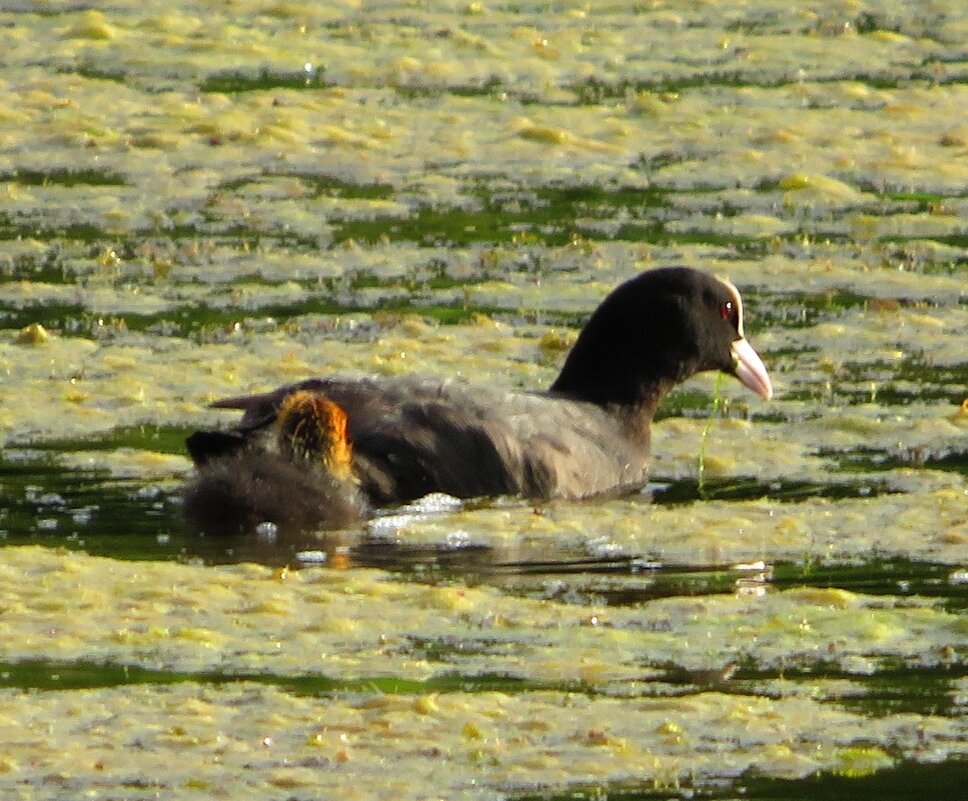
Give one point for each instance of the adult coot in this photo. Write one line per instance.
(319, 452)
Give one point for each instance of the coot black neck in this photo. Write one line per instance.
(629, 353)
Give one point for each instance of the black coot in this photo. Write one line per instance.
(288, 460)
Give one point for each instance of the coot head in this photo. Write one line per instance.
(657, 330)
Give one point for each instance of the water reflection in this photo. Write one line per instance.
(568, 575)
(92, 512)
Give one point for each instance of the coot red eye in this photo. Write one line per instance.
(726, 310)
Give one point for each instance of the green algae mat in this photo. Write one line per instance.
(207, 199)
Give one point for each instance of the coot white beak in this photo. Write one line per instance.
(750, 369)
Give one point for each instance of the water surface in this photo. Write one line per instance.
(203, 201)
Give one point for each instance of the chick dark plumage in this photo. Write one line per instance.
(298, 474)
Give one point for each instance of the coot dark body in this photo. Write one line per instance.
(408, 436)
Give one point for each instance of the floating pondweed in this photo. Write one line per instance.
(450, 193)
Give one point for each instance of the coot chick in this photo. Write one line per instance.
(298, 475)
(587, 435)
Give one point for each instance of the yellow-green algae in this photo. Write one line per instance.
(66, 606)
(189, 199)
(353, 624)
(244, 740)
